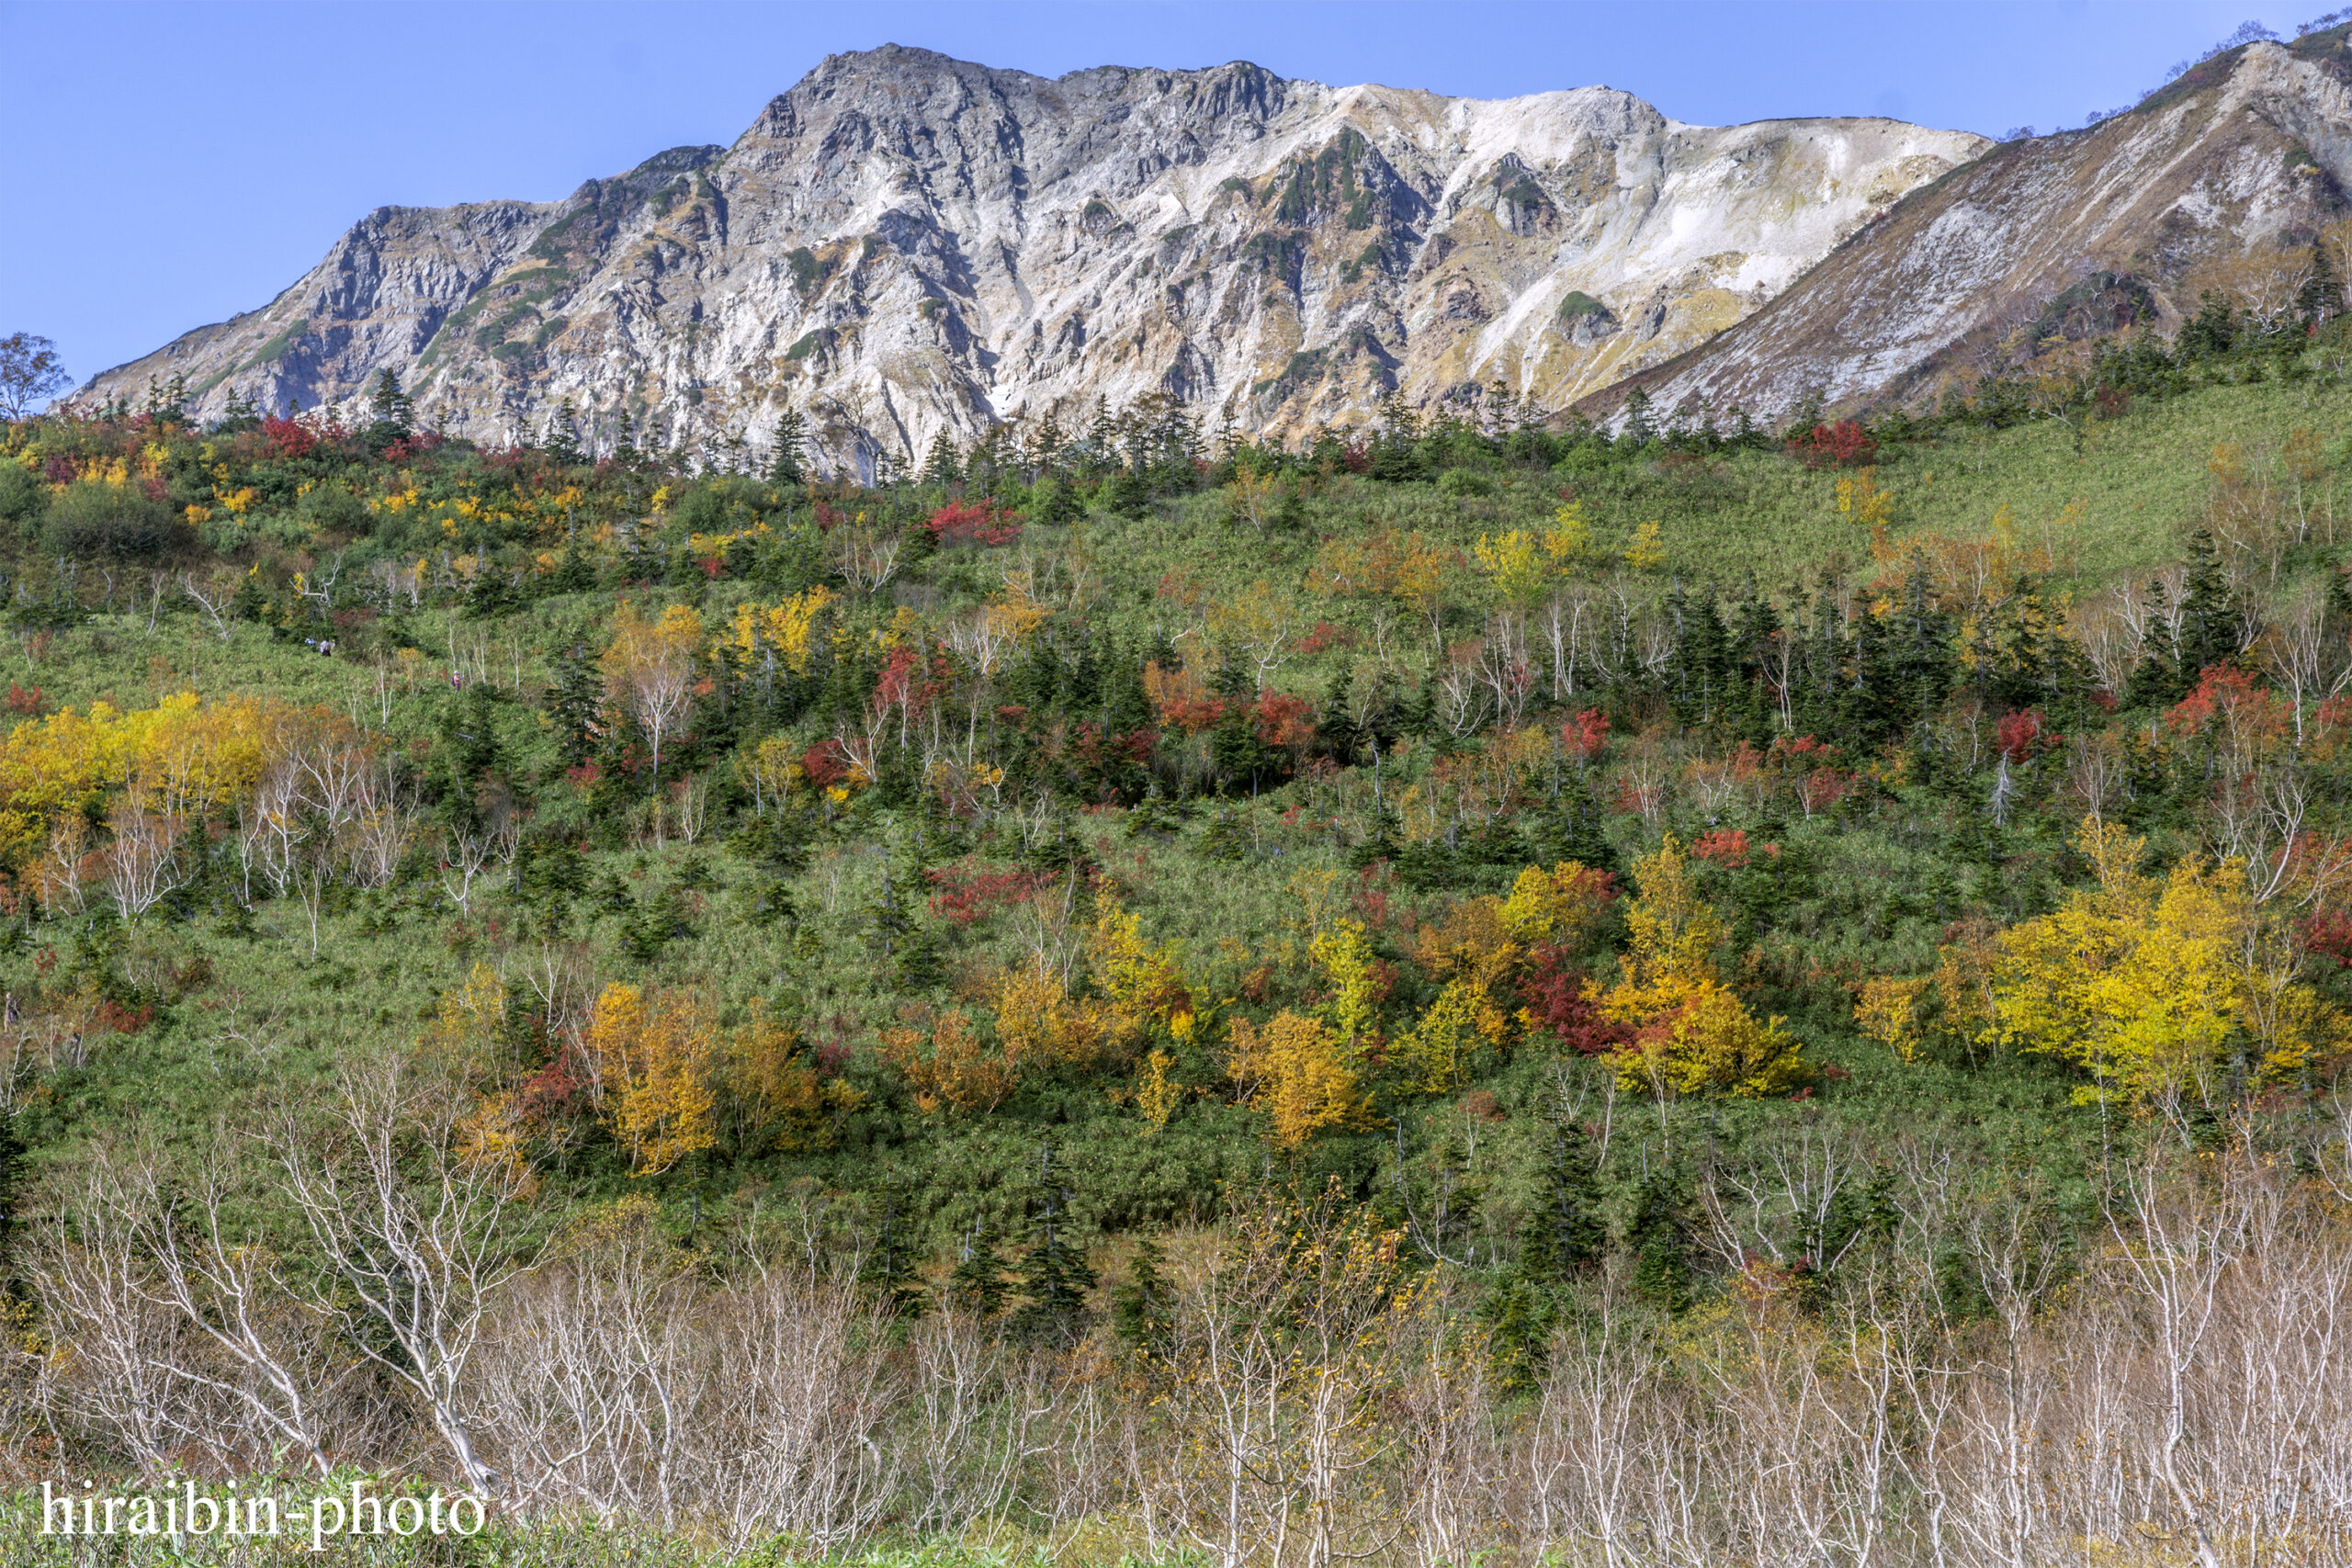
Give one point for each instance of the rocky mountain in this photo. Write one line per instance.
(904, 244)
(2054, 236)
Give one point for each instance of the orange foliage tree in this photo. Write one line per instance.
(954, 1067)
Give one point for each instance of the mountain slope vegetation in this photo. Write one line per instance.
(1432, 932)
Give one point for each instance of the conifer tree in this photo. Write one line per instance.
(1047, 445)
(1661, 1269)
(1563, 1232)
(1638, 430)
(785, 447)
(890, 1268)
(1055, 1275)
(576, 703)
(1700, 667)
(941, 468)
(1805, 416)
(1569, 824)
(976, 1283)
(562, 439)
(392, 415)
(1140, 1314)
(889, 922)
(2322, 297)
(1059, 500)
(1101, 436)
(2210, 619)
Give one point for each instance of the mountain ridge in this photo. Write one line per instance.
(2248, 149)
(903, 245)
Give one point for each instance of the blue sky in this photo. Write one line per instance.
(172, 165)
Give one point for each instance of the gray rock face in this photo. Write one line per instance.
(905, 244)
(2249, 151)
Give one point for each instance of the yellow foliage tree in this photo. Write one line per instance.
(2148, 983)
(1861, 503)
(464, 1024)
(776, 1085)
(1647, 550)
(653, 1058)
(650, 670)
(1344, 952)
(766, 634)
(1473, 952)
(185, 757)
(1563, 906)
(1887, 1010)
(1433, 1054)
(1039, 1020)
(1515, 565)
(1565, 542)
(1142, 983)
(1295, 1074)
(1692, 1033)
(1157, 1095)
(774, 771)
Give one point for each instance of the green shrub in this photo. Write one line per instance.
(21, 496)
(333, 509)
(96, 521)
(1460, 482)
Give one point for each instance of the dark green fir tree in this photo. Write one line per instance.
(977, 1284)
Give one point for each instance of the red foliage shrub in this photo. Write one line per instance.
(1192, 717)
(122, 1020)
(2226, 689)
(906, 682)
(974, 523)
(2329, 935)
(1842, 445)
(23, 702)
(1802, 749)
(1587, 735)
(1283, 721)
(2021, 735)
(1326, 634)
(824, 765)
(1553, 994)
(551, 1092)
(290, 437)
(1724, 847)
(1823, 788)
(963, 896)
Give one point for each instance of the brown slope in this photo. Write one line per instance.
(2250, 150)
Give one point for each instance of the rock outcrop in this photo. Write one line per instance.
(904, 244)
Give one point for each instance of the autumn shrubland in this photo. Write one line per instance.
(1707, 996)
